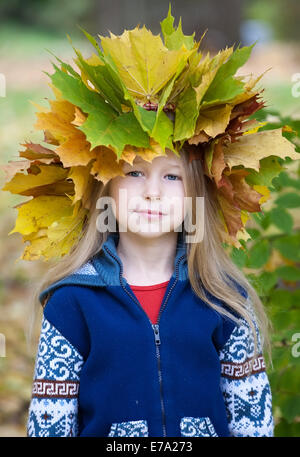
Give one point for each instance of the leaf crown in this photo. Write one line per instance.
(140, 95)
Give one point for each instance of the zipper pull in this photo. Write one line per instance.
(156, 333)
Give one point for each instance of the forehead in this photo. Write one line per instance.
(167, 160)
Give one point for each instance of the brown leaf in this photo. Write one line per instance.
(232, 215)
(238, 192)
(14, 167)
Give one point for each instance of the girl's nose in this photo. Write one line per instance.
(152, 189)
(151, 197)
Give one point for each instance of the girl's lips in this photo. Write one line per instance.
(150, 213)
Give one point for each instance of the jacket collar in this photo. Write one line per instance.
(109, 265)
(105, 268)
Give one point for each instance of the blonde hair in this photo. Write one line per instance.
(209, 266)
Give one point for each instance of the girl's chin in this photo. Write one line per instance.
(149, 234)
(147, 229)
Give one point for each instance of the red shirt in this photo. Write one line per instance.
(150, 298)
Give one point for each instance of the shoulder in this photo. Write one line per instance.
(62, 301)
(64, 294)
(229, 326)
(64, 312)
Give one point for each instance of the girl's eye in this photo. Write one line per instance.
(133, 172)
(174, 176)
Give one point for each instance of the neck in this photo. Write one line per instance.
(147, 261)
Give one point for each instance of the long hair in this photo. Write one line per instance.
(209, 266)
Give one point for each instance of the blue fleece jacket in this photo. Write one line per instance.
(103, 369)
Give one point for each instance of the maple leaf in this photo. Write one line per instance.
(36, 151)
(14, 167)
(76, 150)
(225, 86)
(189, 100)
(174, 39)
(81, 177)
(248, 150)
(213, 121)
(238, 192)
(106, 166)
(56, 240)
(231, 215)
(144, 63)
(103, 125)
(41, 212)
(25, 184)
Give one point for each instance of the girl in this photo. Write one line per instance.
(144, 334)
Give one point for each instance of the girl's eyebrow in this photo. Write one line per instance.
(173, 165)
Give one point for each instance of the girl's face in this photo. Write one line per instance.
(157, 186)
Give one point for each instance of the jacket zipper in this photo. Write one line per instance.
(155, 328)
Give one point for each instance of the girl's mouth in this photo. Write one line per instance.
(150, 214)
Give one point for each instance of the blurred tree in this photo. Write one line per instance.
(99, 16)
(50, 14)
(281, 15)
(197, 15)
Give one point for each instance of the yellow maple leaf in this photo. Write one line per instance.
(148, 154)
(64, 109)
(40, 212)
(63, 234)
(75, 150)
(106, 167)
(57, 125)
(38, 242)
(81, 178)
(213, 120)
(56, 240)
(144, 63)
(21, 183)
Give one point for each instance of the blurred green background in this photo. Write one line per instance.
(28, 31)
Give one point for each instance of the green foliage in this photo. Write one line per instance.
(273, 257)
